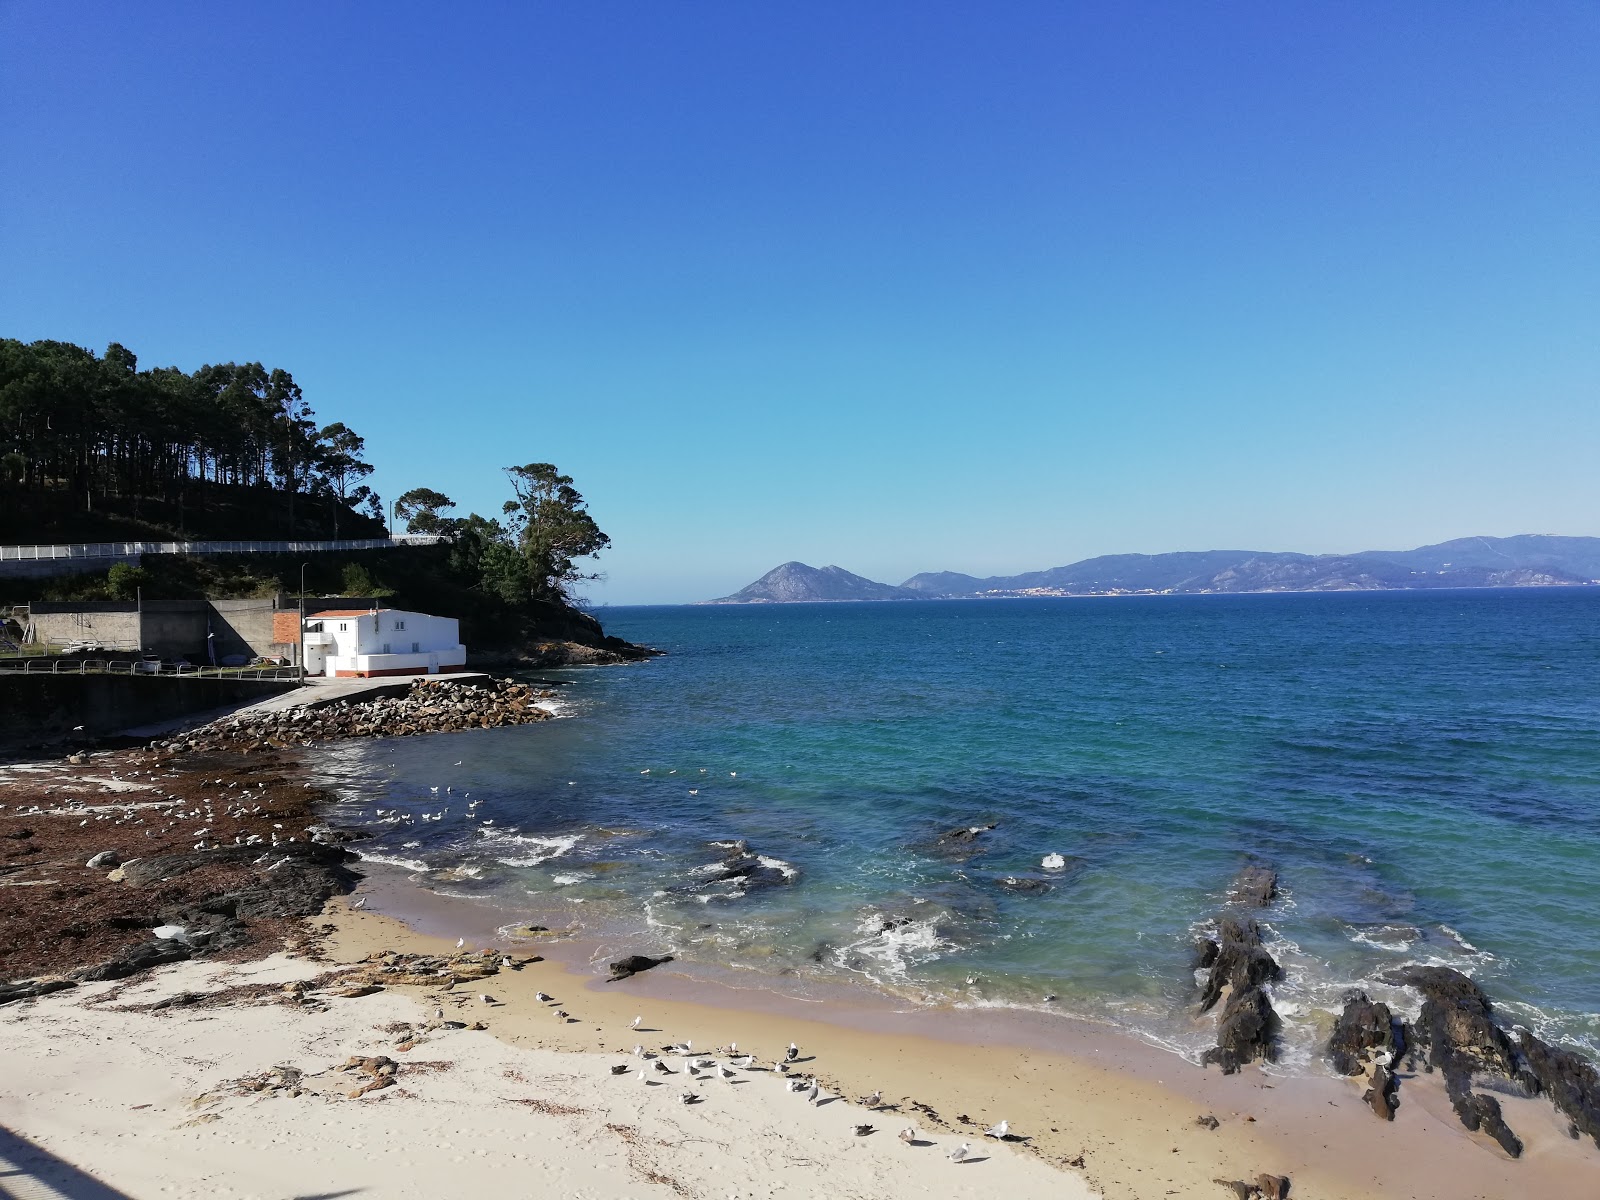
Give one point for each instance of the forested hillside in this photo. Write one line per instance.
(93, 448)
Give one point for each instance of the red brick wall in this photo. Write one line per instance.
(286, 628)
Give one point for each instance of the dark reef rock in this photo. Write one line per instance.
(28, 989)
(1248, 1028)
(1023, 885)
(1381, 1096)
(1571, 1082)
(1364, 1029)
(624, 968)
(966, 835)
(133, 959)
(1457, 1029)
(1205, 953)
(1254, 886)
(1480, 1112)
(1241, 961)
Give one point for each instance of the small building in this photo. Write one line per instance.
(357, 643)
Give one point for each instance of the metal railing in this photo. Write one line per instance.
(134, 549)
(103, 666)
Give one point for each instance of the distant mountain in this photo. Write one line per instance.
(795, 581)
(1528, 560)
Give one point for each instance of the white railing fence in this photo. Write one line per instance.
(134, 549)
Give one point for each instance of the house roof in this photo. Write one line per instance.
(345, 612)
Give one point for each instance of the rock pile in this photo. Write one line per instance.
(1241, 967)
(430, 706)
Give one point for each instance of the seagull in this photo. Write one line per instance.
(543, 997)
(433, 789)
(438, 1014)
(638, 1051)
(999, 1131)
(620, 1069)
(505, 962)
(561, 1014)
(694, 791)
(972, 980)
(634, 1024)
(688, 1098)
(908, 1136)
(644, 1079)
(863, 1130)
(725, 1072)
(460, 942)
(485, 998)
(959, 1154)
(455, 764)
(663, 1069)
(816, 1094)
(794, 1052)
(694, 1071)
(874, 1100)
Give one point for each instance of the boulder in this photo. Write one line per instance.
(1365, 1030)
(1023, 885)
(1381, 1097)
(1480, 1112)
(1254, 886)
(132, 959)
(29, 988)
(105, 860)
(1248, 1028)
(1241, 961)
(623, 968)
(1571, 1082)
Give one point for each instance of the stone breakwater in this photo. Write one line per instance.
(431, 706)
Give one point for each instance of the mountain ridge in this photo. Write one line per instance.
(1523, 560)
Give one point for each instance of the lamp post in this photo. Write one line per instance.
(302, 660)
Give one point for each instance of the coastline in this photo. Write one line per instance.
(1095, 1105)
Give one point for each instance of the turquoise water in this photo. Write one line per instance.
(1422, 768)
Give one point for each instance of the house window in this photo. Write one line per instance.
(416, 647)
(399, 624)
(343, 628)
(386, 647)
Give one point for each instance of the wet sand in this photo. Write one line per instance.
(1075, 1090)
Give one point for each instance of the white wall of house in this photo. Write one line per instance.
(388, 641)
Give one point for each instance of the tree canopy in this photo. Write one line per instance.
(528, 553)
(100, 427)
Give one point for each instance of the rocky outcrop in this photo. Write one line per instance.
(627, 967)
(1248, 1027)
(1365, 1033)
(1254, 886)
(1367, 1036)
(1571, 1082)
(431, 706)
(1456, 1028)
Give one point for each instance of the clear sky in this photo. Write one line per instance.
(985, 287)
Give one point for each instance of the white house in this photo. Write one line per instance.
(362, 642)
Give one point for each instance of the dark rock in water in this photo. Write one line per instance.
(634, 963)
(1479, 1112)
(1364, 1028)
(1571, 1082)
(29, 988)
(744, 868)
(1380, 1097)
(1241, 962)
(965, 836)
(1023, 885)
(132, 960)
(1205, 953)
(1456, 1022)
(1248, 1030)
(1457, 1030)
(1254, 886)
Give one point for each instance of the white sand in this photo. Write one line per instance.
(112, 1093)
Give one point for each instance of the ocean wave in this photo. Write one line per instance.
(527, 850)
(389, 860)
(897, 948)
(1395, 938)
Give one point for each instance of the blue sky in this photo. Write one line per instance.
(901, 286)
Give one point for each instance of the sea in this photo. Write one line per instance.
(1421, 768)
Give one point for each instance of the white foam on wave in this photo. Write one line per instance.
(567, 880)
(527, 850)
(1395, 938)
(789, 870)
(391, 860)
(899, 949)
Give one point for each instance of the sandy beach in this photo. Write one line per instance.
(161, 1082)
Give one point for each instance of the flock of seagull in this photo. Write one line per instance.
(725, 1063)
